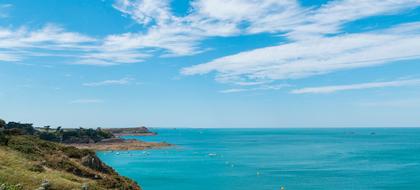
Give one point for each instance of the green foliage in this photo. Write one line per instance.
(49, 136)
(104, 134)
(37, 168)
(11, 187)
(80, 163)
(3, 139)
(21, 128)
(2, 123)
(82, 135)
(35, 151)
(31, 146)
(74, 152)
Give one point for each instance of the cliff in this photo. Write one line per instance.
(27, 162)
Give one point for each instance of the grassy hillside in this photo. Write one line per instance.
(30, 162)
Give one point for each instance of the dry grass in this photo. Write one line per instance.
(28, 161)
(15, 169)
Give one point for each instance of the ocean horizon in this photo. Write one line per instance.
(267, 159)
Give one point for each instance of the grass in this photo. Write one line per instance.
(29, 161)
(15, 169)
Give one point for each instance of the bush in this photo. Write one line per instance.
(21, 128)
(2, 123)
(32, 146)
(74, 152)
(11, 187)
(3, 139)
(82, 135)
(37, 168)
(49, 136)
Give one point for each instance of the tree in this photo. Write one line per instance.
(21, 128)
(2, 123)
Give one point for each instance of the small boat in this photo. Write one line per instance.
(212, 154)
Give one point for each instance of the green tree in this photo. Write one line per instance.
(2, 123)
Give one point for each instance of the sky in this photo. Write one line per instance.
(210, 63)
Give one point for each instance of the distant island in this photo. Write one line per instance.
(49, 158)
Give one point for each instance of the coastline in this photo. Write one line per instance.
(65, 158)
(116, 144)
(135, 134)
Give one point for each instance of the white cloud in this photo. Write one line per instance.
(4, 10)
(9, 56)
(317, 45)
(17, 44)
(123, 81)
(86, 101)
(145, 11)
(112, 58)
(181, 36)
(332, 89)
(259, 88)
(330, 17)
(51, 36)
(165, 34)
(318, 56)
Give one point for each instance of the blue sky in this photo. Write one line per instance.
(211, 63)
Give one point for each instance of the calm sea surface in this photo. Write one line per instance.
(267, 159)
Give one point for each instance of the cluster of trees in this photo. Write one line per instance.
(79, 135)
(82, 135)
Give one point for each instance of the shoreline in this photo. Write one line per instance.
(135, 134)
(116, 144)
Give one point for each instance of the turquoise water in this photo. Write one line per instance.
(267, 159)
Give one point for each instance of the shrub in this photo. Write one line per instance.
(11, 187)
(3, 139)
(74, 152)
(49, 136)
(21, 128)
(37, 168)
(2, 123)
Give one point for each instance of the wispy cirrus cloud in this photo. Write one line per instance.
(319, 46)
(4, 10)
(361, 86)
(171, 35)
(117, 82)
(316, 42)
(18, 44)
(318, 56)
(181, 35)
(259, 88)
(52, 36)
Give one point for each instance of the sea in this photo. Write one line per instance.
(275, 159)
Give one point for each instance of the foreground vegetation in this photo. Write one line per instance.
(29, 162)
